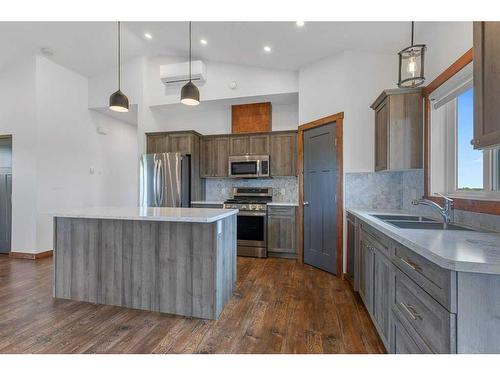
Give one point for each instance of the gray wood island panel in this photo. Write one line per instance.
(184, 268)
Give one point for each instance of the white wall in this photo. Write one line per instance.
(348, 82)
(446, 42)
(17, 117)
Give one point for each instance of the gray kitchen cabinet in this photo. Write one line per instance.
(214, 156)
(486, 39)
(383, 292)
(281, 231)
(405, 341)
(283, 153)
(398, 129)
(239, 145)
(366, 255)
(259, 144)
(186, 142)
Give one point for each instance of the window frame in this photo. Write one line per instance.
(485, 202)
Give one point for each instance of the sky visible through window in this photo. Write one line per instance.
(469, 161)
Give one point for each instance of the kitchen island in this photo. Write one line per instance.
(171, 260)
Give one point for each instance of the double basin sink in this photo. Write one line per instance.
(417, 222)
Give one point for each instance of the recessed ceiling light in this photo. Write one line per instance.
(267, 48)
(148, 36)
(203, 41)
(300, 23)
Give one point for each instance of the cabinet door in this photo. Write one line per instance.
(156, 143)
(406, 343)
(221, 157)
(381, 136)
(259, 144)
(281, 231)
(486, 84)
(366, 273)
(207, 157)
(383, 295)
(239, 145)
(181, 143)
(283, 154)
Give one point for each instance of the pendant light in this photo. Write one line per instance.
(411, 64)
(189, 92)
(118, 101)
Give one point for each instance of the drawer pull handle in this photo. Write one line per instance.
(412, 265)
(410, 310)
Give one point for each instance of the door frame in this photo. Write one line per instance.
(338, 120)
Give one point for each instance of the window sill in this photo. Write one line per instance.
(482, 205)
(480, 196)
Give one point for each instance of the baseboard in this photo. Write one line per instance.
(31, 256)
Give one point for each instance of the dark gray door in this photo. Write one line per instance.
(319, 198)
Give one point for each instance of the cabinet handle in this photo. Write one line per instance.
(412, 265)
(410, 310)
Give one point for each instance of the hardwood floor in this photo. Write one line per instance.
(278, 306)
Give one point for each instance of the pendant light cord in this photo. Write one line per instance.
(412, 27)
(119, 58)
(189, 51)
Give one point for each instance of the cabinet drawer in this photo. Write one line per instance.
(206, 205)
(406, 341)
(377, 239)
(438, 282)
(280, 211)
(433, 323)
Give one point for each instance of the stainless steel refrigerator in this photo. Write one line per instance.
(165, 180)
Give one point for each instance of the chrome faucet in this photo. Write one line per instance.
(446, 212)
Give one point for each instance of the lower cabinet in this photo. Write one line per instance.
(405, 342)
(383, 292)
(366, 272)
(281, 232)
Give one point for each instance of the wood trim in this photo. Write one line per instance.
(31, 256)
(453, 69)
(472, 205)
(338, 119)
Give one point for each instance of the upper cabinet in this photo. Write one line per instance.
(214, 156)
(283, 153)
(486, 84)
(255, 144)
(398, 129)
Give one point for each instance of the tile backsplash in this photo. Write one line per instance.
(285, 189)
(396, 190)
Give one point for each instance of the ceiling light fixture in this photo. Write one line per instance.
(148, 36)
(300, 23)
(267, 48)
(190, 95)
(411, 64)
(118, 101)
(203, 41)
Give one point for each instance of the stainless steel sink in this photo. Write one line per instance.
(403, 218)
(425, 225)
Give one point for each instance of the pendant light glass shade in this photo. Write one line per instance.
(411, 64)
(118, 101)
(190, 95)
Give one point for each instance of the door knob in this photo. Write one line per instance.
(306, 203)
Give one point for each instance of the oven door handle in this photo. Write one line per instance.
(250, 213)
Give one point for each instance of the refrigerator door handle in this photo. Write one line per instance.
(161, 174)
(155, 182)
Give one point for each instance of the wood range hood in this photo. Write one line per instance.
(251, 118)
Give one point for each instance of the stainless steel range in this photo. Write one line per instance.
(252, 219)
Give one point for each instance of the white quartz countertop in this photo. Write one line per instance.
(190, 215)
(465, 251)
(283, 204)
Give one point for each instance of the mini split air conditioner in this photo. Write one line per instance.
(178, 74)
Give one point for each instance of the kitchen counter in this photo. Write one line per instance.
(171, 260)
(191, 215)
(464, 251)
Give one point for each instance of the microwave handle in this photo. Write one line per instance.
(258, 167)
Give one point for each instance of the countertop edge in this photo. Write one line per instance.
(452, 265)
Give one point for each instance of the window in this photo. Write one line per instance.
(456, 168)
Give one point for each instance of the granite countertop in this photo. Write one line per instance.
(465, 251)
(174, 214)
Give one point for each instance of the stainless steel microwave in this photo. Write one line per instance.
(249, 166)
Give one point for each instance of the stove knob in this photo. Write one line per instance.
(244, 207)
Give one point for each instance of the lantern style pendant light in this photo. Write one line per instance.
(411, 64)
(189, 92)
(118, 101)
